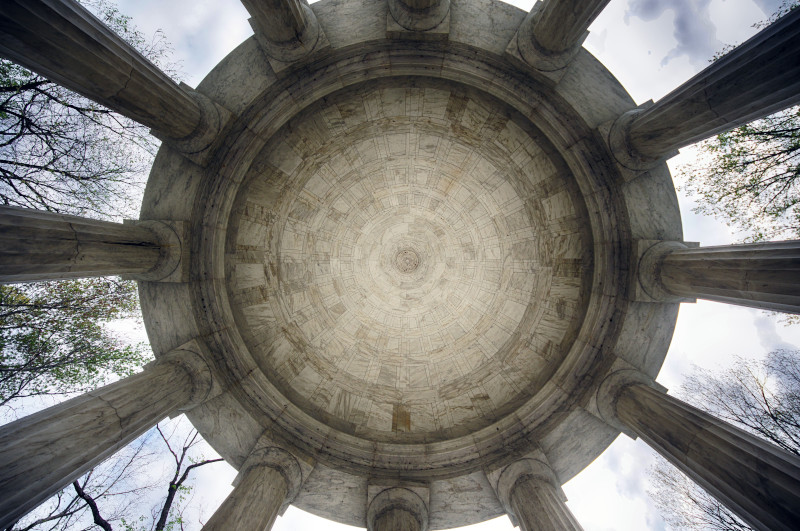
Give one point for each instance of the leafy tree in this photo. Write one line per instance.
(761, 398)
(62, 152)
(750, 176)
(55, 340)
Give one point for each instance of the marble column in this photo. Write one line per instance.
(64, 42)
(397, 509)
(419, 15)
(554, 30)
(760, 275)
(39, 245)
(757, 78)
(753, 478)
(531, 494)
(42, 453)
(287, 30)
(267, 481)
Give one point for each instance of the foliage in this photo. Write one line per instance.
(62, 152)
(785, 7)
(54, 337)
(750, 176)
(761, 398)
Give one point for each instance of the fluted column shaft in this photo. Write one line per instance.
(397, 509)
(757, 78)
(760, 275)
(254, 503)
(268, 480)
(62, 41)
(396, 520)
(560, 24)
(38, 245)
(42, 453)
(531, 494)
(755, 479)
(538, 506)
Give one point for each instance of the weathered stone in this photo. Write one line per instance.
(419, 15)
(552, 33)
(268, 481)
(751, 81)
(397, 509)
(760, 275)
(38, 245)
(286, 268)
(287, 30)
(411, 261)
(45, 451)
(753, 478)
(532, 496)
(57, 38)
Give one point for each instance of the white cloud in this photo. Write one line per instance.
(202, 31)
(694, 31)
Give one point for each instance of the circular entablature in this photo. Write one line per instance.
(412, 261)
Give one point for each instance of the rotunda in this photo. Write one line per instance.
(405, 264)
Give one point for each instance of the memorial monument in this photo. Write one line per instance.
(405, 264)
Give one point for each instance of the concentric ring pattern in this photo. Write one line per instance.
(409, 261)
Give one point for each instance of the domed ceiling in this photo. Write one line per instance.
(411, 261)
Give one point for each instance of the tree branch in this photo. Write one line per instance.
(93, 506)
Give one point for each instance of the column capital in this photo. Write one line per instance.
(648, 256)
(286, 30)
(40, 245)
(610, 389)
(525, 47)
(173, 239)
(63, 41)
(524, 468)
(757, 78)
(213, 124)
(619, 142)
(43, 452)
(401, 499)
(268, 453)
(755, 479)
(418, 15)
(188, 358)
(759, 275)
(552, 34)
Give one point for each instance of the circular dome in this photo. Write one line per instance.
(411, 259)
(413, 291)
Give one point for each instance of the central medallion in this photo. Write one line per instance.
(406, 261)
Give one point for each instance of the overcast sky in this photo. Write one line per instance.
(651, 46)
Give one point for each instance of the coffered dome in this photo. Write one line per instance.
(410, 259)
(417, 261)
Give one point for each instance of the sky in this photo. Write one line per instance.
(651, 46)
